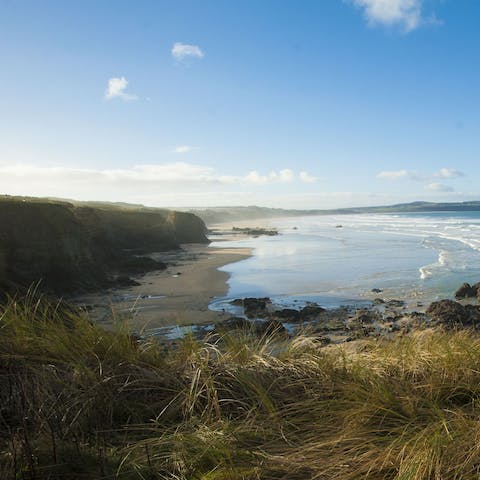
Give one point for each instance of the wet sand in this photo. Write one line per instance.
(179, 295)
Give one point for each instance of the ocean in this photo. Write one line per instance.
(339, 259)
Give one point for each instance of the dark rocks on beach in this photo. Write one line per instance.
(308, 312)
(396, 303)
(237, 302)
(289, 314)
(467, 291)
(255, 231)
(257, 327)
(453, 314)
(376, 290)
(258, 307)
(311, 311)
(253, 307)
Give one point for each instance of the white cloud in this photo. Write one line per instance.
(399, 175)
(284, 176)
(182, 149)
(449, 173)
(307, 178)
(412, 175)
(185, 184)
(182, 51)
(177, 175)
(116, 89)
(407, 14)
(438, 187)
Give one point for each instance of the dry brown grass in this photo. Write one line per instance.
(79, 402)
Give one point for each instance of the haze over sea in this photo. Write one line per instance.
(339, 259)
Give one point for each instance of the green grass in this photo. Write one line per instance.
(79, 402)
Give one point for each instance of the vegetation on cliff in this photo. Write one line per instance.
(82, 247)
(79, 402)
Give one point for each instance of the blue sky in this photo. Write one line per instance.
(305, 104)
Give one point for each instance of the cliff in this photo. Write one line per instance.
(79, 247)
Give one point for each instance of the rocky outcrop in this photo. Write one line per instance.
(467, 291)
(258, 327)
(255, 232)
(253, 307)
(453, 314)
(79, 248)
(262, 308)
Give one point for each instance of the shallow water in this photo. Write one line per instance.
(420, 257)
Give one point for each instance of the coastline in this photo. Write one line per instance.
(179, 295)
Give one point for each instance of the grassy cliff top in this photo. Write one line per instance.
(79, 402)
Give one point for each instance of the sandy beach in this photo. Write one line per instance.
(179, 295)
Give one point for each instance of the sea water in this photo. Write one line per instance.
(340, 259)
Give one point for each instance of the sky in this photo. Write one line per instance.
(280, 103)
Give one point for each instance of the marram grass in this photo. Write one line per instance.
(78, 402)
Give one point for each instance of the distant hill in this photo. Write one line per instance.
(84, 246)
(215, 215)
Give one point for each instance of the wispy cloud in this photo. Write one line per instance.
(183, 51)
(449, 173)
(283, 176)
(413, 175)
(438, 187)
(405, 14)
(117, 89)
(399, 175)
(307, 178)
(175, 174)
(182, 149)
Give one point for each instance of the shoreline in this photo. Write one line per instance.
(183, 298)
(177, 296)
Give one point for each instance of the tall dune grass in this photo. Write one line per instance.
(79, 402)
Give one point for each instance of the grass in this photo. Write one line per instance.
(78, 402)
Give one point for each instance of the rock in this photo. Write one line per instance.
(256, 232)
(474, 313)
(466, 291)
(253, 307)
(376, 290)
(311, 311)
(237, 301)
(378, 301)
(257, 327)
(289, 314)
(396, 303)
(453, 314)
